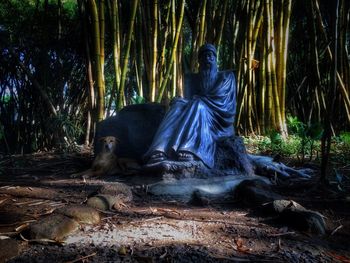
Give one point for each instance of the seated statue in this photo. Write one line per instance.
(193, 124)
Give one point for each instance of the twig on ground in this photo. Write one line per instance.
(3, 200)
(82, 258)
(163, 255)
(48, 212)
(41, 240)
(152, 219)
(279, 246)
(336, 229)
(17, 223)
(21, 227)
(281, 234)
(232, 258)
(10, 234)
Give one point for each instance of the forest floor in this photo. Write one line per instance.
(154, 230)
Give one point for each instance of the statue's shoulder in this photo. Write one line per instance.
(227, 75)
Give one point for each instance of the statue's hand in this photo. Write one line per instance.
(176, 100)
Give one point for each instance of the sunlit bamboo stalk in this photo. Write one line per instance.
(221, 29)
(116, 40)
(152, 94)
(101, 13)
(173, 26)
(97, 54)
(202, 22)
(173, 50)
(134, 5)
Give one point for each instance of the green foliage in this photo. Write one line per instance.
(345, 138)
(296, 143)
(70, 6)
(310, 134)
(71, 128)
(341, 148)
(284, 146)
(294, 125)
(138, 99)
(273, 144)
(5, 99)
(2, 132)
(302, 146)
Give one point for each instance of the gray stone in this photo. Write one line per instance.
(81, 213)
(103, 202)
(54, 227)
(119, 190)
(295, 215)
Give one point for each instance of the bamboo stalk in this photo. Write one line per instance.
(116, 41)
(249, 56)
(262, 77)
(152, 94)
(90, 86)
(179, 79)
(139, 56)
(271, 119)
(162, 63)
(277, 110)
(221, 29)
(127, 53)
(283, 71)
(171, 61)
(279, 45)
(173, 26)
(102, 35)
(97, 50)
(202, 23)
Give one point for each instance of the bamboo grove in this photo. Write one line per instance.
(65, 65)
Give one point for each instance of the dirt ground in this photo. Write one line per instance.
(154, 229)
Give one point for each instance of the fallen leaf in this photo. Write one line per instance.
(239, 242)
(122, 251)
(240, 246)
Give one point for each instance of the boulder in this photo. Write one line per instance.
(103, 202)
(135, 127)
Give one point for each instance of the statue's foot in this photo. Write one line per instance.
(157, 157)
(185, 157)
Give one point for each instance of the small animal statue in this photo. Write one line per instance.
(106, 162)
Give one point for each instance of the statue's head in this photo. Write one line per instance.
(206, 48)
(207, 57)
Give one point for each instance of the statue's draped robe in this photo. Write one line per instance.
(195, 123)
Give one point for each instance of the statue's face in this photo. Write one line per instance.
(207, 60)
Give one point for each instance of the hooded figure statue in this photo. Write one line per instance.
(193, 125)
